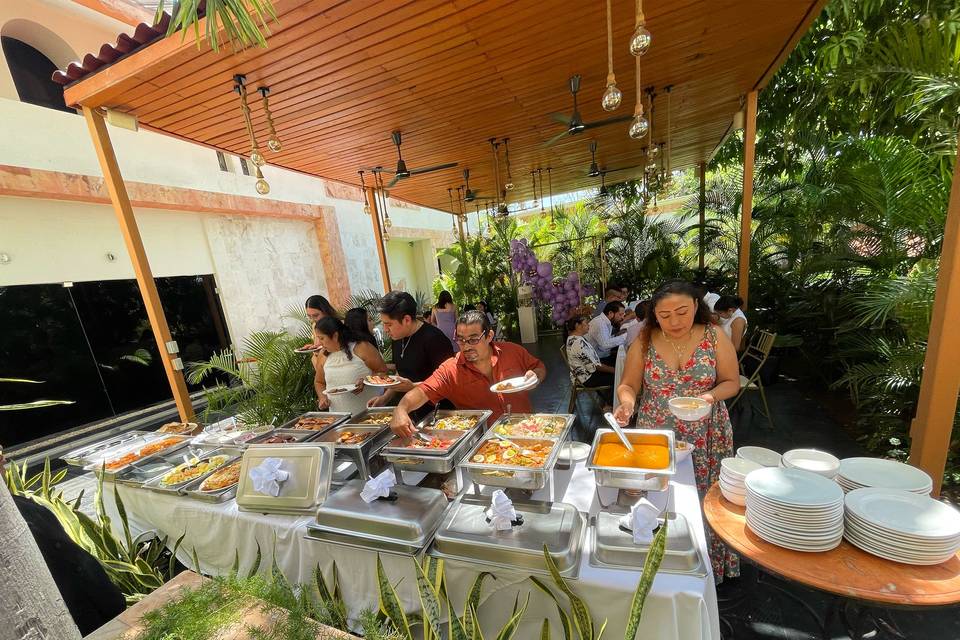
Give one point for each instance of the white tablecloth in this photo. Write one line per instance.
(679, 607)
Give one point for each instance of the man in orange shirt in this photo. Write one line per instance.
(465, 379)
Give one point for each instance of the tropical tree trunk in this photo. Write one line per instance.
(32, 608)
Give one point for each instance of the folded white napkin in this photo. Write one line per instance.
(501, 511)
(268, 476)
(642, 521)
(378, 487)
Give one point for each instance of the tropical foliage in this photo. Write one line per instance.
(243, 22)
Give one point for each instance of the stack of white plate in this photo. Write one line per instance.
(760, 455)
(857, 473)
(794, 509)
(733, 471)
(818, 462)
(902, 526)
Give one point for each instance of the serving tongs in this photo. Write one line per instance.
(616, 428)
(433, 421)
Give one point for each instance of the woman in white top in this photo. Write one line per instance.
(349, 359)
(585, 365)
(732, 319)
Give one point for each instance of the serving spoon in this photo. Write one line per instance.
(616, 428)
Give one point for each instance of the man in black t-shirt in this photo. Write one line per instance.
(418, 347)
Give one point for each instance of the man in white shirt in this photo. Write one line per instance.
(601, 332)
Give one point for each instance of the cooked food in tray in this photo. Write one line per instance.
(353, 437)
(532, 427)
(513, 454)
(191, 470)
(280, 438)
(315, 423)
(456, 422)
(504, 386)
(381, 417)
(434, 442)
(179, 428)
(381, 381)
(141, 453)
(222, 478)
(643, 456)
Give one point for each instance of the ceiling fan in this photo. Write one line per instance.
(595, 170)
(402, 171)
(574, 122)
(468, 195)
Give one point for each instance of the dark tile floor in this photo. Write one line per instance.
(768, 608)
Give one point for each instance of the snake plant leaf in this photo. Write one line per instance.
(235, 569)
(510, 628)
(603, 628)
(256, 562)
(434, 571)
(455, 629)
(173, 555)
(390, 603)
(582, 621)
(545, 630)
(473, 597)
(650, 567)
(473, 620)
(564, 616)
(196, 560)
(122, 513)
(430, 603)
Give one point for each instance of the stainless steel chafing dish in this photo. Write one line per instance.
(612, 546)
(478, 416)
(338, 419)
(402, 456)
(192, 490)
(156, 484)
(298, 435)
(97, 461)
(310, 466)
(363, 453)
(139, 473)
(404, 523)
(511, 427)
(634, 478)
(82, 455)
(511, 476)
(466, 534)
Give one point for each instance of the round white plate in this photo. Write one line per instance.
(732, 497)
(342, 389)
(804, 522)
(889, 474)
(519, 384)
(904, 512)
(738, 467)
(760, 455)
(793, 487)
(310, 350)
(824, 536)
(896, 557)
(797, 546)
(885, 541)
(574, 451)
(875, 530)
(797, 511)
(682, 454)
(395, 382)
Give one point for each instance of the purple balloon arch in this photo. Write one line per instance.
(562, 294)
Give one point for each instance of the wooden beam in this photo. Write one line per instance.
(378, 238)
(932, 427)
(141, 267)
(702, 206)
(812, 14)
(746, 207)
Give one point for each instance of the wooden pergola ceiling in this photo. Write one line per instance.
(450, 74)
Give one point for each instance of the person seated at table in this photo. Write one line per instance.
(612, 293)
(349, 359)
(681, 353)
(585, 366)
(466, 378)
(419, 348)
(732, 319)
(602, 333)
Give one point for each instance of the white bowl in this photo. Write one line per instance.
(730, 488)
(733, 497)
(738, 468)
(682, 450)
(819, 462)
(760, 455)
(689, 409)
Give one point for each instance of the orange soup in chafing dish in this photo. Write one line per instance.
(643, 456)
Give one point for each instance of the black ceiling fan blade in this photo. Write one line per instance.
(608, 121)
(613, 169)
(438, 167)
(395, 180)
(377, 169)
(555, 139)
(562, 118)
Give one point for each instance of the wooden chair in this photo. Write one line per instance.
(575, 387)
(756, 353)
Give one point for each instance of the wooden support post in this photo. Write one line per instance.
(746, 207)
(378, 238)
(141, 267)
(703, 215)
(932, 427)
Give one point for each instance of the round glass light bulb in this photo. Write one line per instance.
(274, 144)
(388, 223)
(366, 209)
(386, 236)
(257, 158)
(639, 127)
(263, 188)
(508, 186)
(612, 98)
(654, 151)
(640, 41)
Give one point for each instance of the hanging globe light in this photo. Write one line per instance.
(257, 158)
(263, 188)
(640, 40)
(654, 151)
(274, 144)
(612, 98)
(639, 127)
(366, 209)
(388, 222)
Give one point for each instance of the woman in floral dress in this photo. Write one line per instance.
(680, 353)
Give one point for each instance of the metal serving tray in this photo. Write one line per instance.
(402, 524)
(429, 460)
(359, 454)
(511, 476)
(78, 457)
(363, 415)
(299, 435)
(480, 417)
(612, 546)
(192, 490)
(466, 534)
(177, 489)
(515, 418)
(133, 445)
(310, 465)
(339, 418)
(632, 477)
(142, 471)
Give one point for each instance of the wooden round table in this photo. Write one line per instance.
(846, 572)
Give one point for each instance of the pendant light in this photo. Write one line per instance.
(255, 156)
(640, 40)
(506, 151)
(540, 175)
(262, 186)
(453, 216)
(640, 126)
(668, 89)
(550, 185)
(612, 97)
(533, 178)
(363, 189)
(273, 142)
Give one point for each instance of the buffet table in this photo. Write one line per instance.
(682, 607)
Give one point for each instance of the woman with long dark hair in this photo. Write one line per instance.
(444, 317)
(361, 324)
(318, 307)
(680, 354)
(348, 360)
